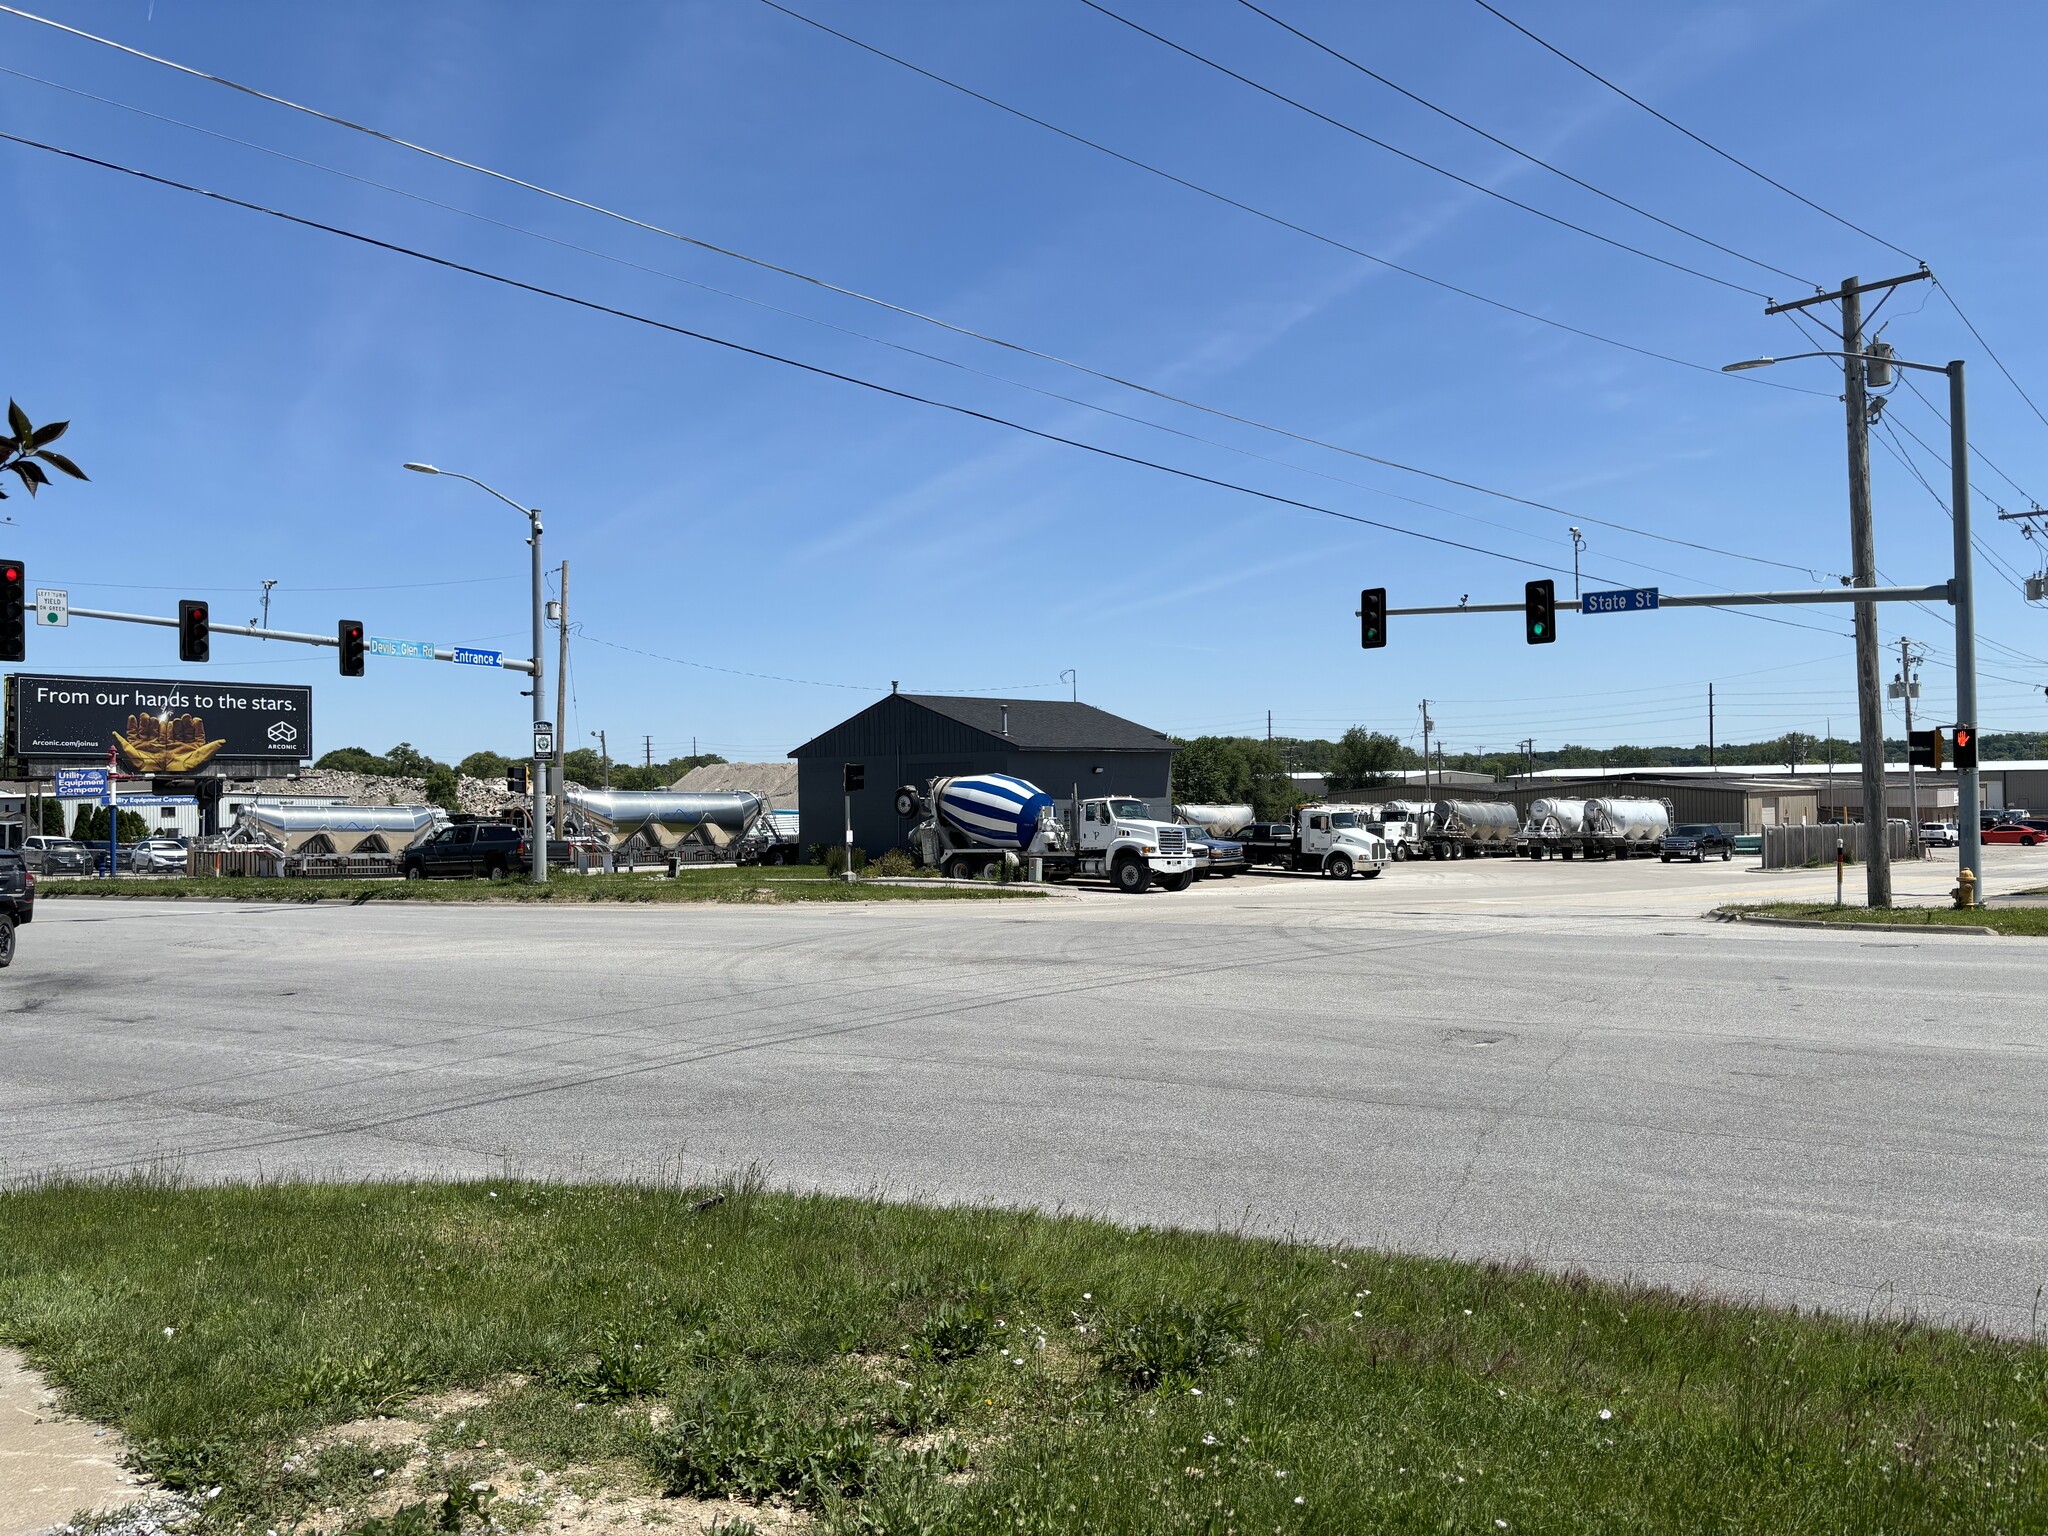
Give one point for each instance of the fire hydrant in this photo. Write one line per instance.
(1965, 892)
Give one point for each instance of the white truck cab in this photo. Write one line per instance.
(1338, 840)
(1117, 837)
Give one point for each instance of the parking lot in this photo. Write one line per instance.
(1560, 1062)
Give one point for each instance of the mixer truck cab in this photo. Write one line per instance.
(979, 822)
(1333, 840)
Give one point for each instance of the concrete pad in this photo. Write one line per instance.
(52, 1465)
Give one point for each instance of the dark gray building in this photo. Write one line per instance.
(908, 738)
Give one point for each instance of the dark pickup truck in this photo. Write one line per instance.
(17, 901)
(467, 851)
(1695, 843)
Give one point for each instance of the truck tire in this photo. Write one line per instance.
(1727, 854)
(1176, 882)
(1373, 874)
(1132, 876)
(495, 871)
(6, 941)
(414, 872)
(906, 801)
(959, 867)
(1339, 867)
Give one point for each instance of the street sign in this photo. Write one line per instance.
(414, 650)
(133, 800)
(81, 784)
(543, 740)
(469, 658)
(1626, 600)
(53, 608)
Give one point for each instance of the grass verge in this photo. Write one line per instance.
(718, 884)
(2029, 921)
(861, 1367)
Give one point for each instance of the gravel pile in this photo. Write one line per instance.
(482, 797)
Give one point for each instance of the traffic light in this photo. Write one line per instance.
(349, 636)
(856, 776)
(1966, 746)
(1539, 612)
(194, 638)
(519, 779)
(1923, 749)
(13, 619)
(1372, 618)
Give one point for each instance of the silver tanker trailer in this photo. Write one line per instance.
(1621, 829)
(1555, 829)
(1468, 828)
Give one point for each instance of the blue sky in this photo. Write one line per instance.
(243, 391)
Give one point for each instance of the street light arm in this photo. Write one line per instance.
(1867, 357)
(531, 513)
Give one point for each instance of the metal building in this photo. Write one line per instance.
(907, 738)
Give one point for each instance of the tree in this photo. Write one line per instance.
(1794, 747)
(484, 765)
(1232, 770)
(24, 450)
(1365, 758)
(355, 760)
(442, 787)
(408, 762)
(90, 825)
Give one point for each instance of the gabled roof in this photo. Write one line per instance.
(1047, 725)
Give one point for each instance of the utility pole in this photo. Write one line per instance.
(604, 753)
(1528, 745)
(1426, 724)
(1710, 727)
(562, 708)
(1906, 687)
(1877, 867)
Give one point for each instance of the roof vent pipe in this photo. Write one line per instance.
(892, 685)
(1006, 719)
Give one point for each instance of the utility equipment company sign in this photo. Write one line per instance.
(157, 727)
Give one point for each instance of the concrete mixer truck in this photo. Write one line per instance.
(981, 821)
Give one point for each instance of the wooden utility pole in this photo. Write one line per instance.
(562, 711)
(1877, 866)
(1710, 727)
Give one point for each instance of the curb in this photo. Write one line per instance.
(1854, 927)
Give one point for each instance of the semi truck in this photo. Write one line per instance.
(978, 822)
(1462, 829)
(1333, 840)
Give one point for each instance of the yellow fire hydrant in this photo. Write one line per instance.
(1965, 892)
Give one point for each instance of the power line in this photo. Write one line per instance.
(932, 356)
(2015, 383)
(1555, 170)
(1936, 411)
(1259, 213)
(1413, 159)
(1703, 143)
(764, 355)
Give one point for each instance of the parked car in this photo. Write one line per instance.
(157, 856)
(1215, 855)
(467, 851)
(2013, 832)
(1695, 842)
(1940, 834)
(17, 900)
(47, 855)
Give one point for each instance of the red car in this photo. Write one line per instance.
(2013, 832)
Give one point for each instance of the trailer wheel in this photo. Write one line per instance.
(959, 867)
(1132, 875)
(1339, 867)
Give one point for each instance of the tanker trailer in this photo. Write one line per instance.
(1468, 828)
(1554, 829)
(619, 815)
(1621, 829)
(979, 822)
(1216, 820)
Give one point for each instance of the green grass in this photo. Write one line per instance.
(894, 1369)
(720, 883)
(2027, 921)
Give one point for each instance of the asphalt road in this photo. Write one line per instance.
(1558, 1062)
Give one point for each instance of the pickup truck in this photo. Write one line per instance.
(1330, 840)
(1695, 842)
(17, 901)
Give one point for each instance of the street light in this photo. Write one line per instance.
(538, 833)
(1969, 842)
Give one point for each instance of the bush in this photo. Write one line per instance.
(1171, 1345)
(895, 864)
(835, 860)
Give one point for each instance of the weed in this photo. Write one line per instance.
(623, 1369)
(1172, 1346)
(736, 1442)
(954, 1330)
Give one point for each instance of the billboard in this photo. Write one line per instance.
(157, 727)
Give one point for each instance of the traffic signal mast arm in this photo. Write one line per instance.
(251, 631)
(1940, 592)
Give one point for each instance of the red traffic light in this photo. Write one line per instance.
(14, 573)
